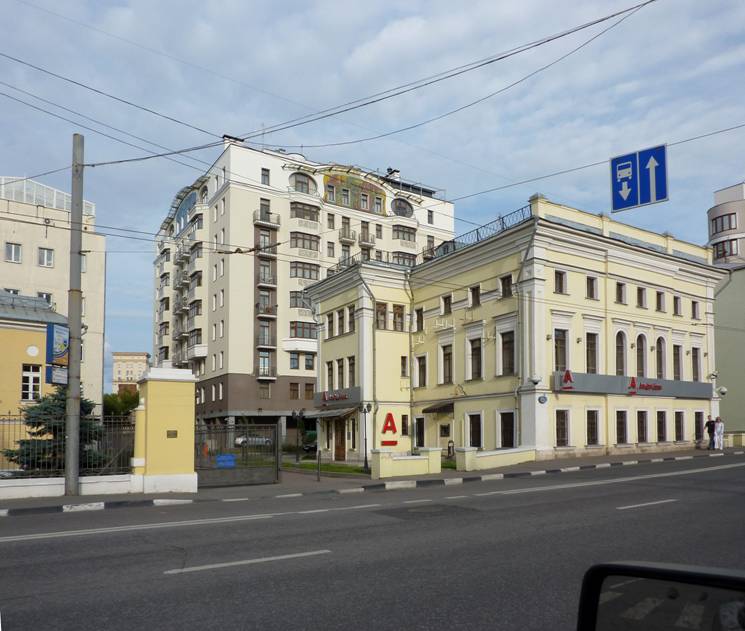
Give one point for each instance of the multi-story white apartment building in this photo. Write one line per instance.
(236, 251)
(127, 369)
(35, 235)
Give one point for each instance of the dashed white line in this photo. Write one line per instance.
(289, 495)
(645, 504)
(416, 501)
(606, 597)
(236, 499)
(456, 497)
(359, 506)
(216, 566)
(315, 510)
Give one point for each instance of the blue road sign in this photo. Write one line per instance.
(639, 178)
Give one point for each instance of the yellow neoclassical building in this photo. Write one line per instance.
(548, 332)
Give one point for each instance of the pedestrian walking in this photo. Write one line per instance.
(719, 434)
(710, 428)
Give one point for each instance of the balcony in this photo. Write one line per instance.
(196, 351)
(194, 265)
(266, 219)
(406, 244)
(266, 372)
(266, 341)
(266, 280)
(347, 236)
(428, 254)
(267, 250)
(182, 252)
(266, 311)
(182, 279)
(194, 322)
(367, 239)
(304, 225)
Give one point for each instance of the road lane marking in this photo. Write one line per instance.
(217, 566)
(691, 617)
(606, 597)
(644, 504)
(236, 499)
(642, 609)
(456, 497)
(289, 495)
(356, 507)
(315, 510)
(415, 501)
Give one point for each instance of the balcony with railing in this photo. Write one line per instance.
(347, 235)
(367, 239)
(266, 373)
(266, 311)
(182, 279)
(266, 280)
(183, 252)
(266, 250)
(195, 351)
(264, 340)
(266, 219)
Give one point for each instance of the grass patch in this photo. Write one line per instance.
(448, 464)
(327, 467)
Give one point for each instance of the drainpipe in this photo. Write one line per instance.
(374, 361)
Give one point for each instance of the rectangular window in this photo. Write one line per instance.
(447, 364)
(340, 374)
(679, 426)
(474, 422)
(506, 284)
(404, 425)
(591, 350)
(294, 360)
(698, 429)
(677, 306)
(340, 321)
(265, 177)
(641, 427)
(621, 435)
(475, 296)
(661, 426)
(560, 282)
(329, 325)
(508, 352)
(475, 358)
(430, 217)
(379, 205)
(404, 366)
(592, 288)
(641, 297)
(305, 330)
(621, 293)
(660, 301)
(304, 241)
(45, 295)
(447, 305)
(419, 319)
(296, 300)
(562, 428)
(304, 211)
(381, 315)
(294, 391)
(345, 196)
(398, 317)
(695, 364)
(592, 427)
(265, 391)
(309, 391)
(724, 222)
(30, 382)
(329, 375)
(345, 252)
(364, 201)
(723, 249)
(421, 364)
(620, 353)
(404, 233)
(378, 231)
(330, 221)
(330, 249)
(350, 318)
(298, 269)
(560, 350)
(13, 252)
(677, 361)
(46, 257)
(694, 310)
(310, 361)
(352, 375)
(330, 193)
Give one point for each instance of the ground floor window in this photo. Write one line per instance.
(404, 425)
(699, 426)
(419, 427)
(679, 426)
(474, 423)
(661, 426)
(562, 428)
(592, 427)
(641, 426)
(621, 438)
(507, 428)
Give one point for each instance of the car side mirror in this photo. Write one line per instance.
(640, 596)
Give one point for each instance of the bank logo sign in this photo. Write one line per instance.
(568, 381)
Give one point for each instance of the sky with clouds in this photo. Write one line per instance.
(671, 71)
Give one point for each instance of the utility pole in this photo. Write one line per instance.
(74, 318)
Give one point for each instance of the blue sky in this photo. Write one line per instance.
(672, 71)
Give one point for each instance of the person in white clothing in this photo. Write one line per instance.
(719, 434)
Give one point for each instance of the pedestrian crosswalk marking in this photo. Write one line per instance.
(606, 597)
(642, 609)
(690, 617)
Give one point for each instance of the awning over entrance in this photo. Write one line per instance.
(440, 408)
(339, 412)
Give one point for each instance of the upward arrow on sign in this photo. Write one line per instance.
(652, 171)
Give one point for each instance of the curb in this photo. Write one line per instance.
(394, 485)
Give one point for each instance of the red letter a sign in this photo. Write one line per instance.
(390, 424)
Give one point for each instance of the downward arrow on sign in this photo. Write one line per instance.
(651, 166)
(625, 191)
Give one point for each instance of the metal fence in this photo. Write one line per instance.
(36, 448)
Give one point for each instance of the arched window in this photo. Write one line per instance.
(303, 183)
(641, 356)
(203, 195)
(402, 208)
(620, 353)
(660, 357)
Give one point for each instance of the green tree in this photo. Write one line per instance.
(120, 404)
(45, 422)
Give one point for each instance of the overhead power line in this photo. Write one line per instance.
(107, 94)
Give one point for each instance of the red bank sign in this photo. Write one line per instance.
(569, 381)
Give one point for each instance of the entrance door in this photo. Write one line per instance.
(419, 432)
(474, 420)
(507, 420)
(339, 440)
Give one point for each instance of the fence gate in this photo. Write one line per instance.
(229, 455)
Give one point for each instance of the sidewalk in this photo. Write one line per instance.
(294, 484)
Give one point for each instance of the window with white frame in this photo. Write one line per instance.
(592, 288)
(591, 353)
(593, 427)
(474, 356)
(679, 425)
(13, 252)
(560, 282)
(46, 257)
(641, 355)
(507, 353)
(620, 353)
(562, 428)
(446, 363)
(642, 433)
(420, 375)
(560, 350)
(30, 382)
(621, 429)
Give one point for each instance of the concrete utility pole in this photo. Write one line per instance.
(74, 317)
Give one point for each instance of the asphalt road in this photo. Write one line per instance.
(503, 555)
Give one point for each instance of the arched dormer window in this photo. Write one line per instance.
(402, 208)
(303, 183)
(203, 195)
